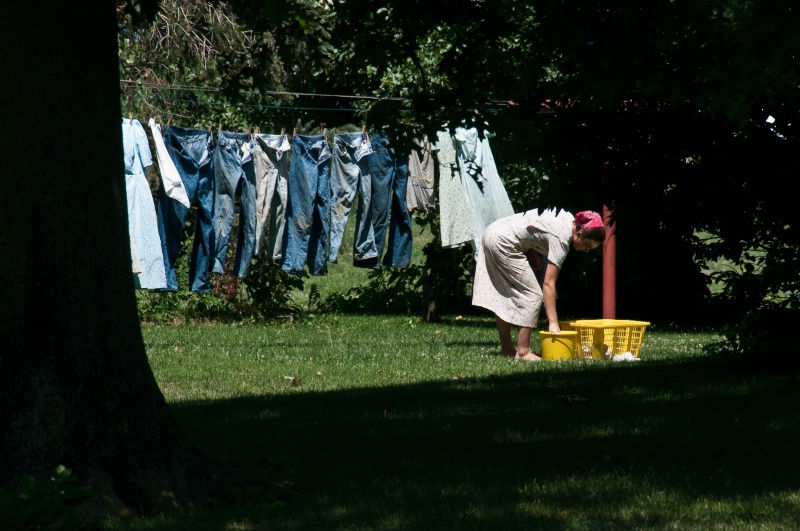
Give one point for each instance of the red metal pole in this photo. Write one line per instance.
(609, 267)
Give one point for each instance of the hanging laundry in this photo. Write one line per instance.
(350, 175)
(171, 179)
(389, 172)
(480, 182)
(308, 210)
(421, 170)
(456, 216)
(499, 203)
(142, 223)
(234, 172)
(271, 164)
(192, 152)
(470, 154)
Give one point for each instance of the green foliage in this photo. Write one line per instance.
(43, 503)
(268, 289)
(388, 290)
(222, 63)
(762, 339)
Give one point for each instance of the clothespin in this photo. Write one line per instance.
(283, 131)
(363, 133)
(220, 127)
(295, 132)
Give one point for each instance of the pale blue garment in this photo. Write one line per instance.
(499, 203)
(350, 176)
(142, 223)
(481, 184)
(455, 214)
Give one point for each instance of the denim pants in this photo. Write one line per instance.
(350, 175)
(233, 167)
(388, 206)
(308, 210)
(271, 163)
(191, 151)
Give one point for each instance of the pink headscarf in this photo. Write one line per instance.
(588, 220)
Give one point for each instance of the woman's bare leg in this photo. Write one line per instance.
(506, 345)
(523, 351)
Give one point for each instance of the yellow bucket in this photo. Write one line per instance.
(557, 347)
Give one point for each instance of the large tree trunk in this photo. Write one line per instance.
(76, 387)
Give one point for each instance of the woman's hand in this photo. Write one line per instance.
(553, 327)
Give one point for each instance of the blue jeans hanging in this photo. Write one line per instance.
(308, 209)
(232, 166)
(350, 176)
(191, 151)
(388, 205)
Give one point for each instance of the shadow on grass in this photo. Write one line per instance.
(516, 452)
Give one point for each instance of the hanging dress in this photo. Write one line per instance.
(456, 218)
(142, 224)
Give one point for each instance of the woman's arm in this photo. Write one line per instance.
(549, 295)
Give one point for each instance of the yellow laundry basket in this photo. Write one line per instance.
(601, 339)
(557, 347)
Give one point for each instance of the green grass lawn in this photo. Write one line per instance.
(388, 423)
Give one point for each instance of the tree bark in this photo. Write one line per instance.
(76, 387)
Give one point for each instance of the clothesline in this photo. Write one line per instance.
(258, 106)
(201, 88)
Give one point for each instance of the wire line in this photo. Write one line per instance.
(201, 88)
(257, 106)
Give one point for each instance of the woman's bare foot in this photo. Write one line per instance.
(526, 356)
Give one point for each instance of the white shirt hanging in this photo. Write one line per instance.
(173, 184)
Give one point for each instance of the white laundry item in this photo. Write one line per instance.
(246, 152)
(468, 145)
(625, 356)
(173, 184)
